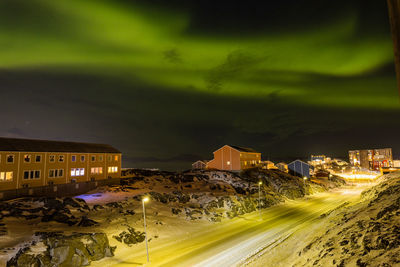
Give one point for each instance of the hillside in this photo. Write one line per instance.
(366, 234)
(109, 220)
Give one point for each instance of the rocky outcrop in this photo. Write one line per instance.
(63, 251)
(130, 236)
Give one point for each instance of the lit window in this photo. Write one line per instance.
(38, 158)
(72, 172)
(116, 157)
(93, 159)
(82, 171)
(10, 158)
(73, 158)
(9, 176)
(52, 158)
(82, 158)
(100, 170)
(27, 158)
(2, 176)
(61, 158)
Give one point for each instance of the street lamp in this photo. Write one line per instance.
(145, 199)
(304, 178)
(259, 198)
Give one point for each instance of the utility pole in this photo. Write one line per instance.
(394, 16)
(259, 198)
(145, 231)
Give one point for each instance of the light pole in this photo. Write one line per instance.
(304, 179)
(259, 198)
(145, 199)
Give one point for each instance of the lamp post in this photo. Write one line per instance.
(145, 199)
(304, 179)
(259, 198)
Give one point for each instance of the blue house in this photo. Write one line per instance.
(299, 168)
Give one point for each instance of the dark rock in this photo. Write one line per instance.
(86, 222)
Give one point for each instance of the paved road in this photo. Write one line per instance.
(233, 242)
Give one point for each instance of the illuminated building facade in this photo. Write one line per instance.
(234, 158)
(371, 159)
(28, 163)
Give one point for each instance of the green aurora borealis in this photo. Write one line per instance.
(139, 77)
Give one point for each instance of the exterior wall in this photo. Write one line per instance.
(282, 167)
(371, 159)
(299, 168)
(56, 165)
(249, 160)
(113, 160)
(97, 166)
(9, 167)
(226, 158)
(30, 168)
(47, 166)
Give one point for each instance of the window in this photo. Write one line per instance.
(73, 158)
(52, 158)
(31, 174)
(93, 158)
(6, 176)
(10, 158)
(82, 158)
(77, 172)
(38, 158)
(116, 158)
(61, 158)
(96, 170)
(112, 169)
(27, 158)
(56, 173)
(100, 158)
(109, 158)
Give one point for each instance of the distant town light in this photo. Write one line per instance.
(305, 178)
(146, 199)
(259, 183)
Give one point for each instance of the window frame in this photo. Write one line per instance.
(13, 158)
(27, 156)
(40, 158)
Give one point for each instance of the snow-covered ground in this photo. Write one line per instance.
(366, 232)
(181, 205)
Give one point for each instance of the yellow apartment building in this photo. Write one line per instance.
(26, 163)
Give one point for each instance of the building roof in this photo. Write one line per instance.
(201, 160)
(244, 149)
(33, 145)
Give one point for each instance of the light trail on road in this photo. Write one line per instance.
(235, 242)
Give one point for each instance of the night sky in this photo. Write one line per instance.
(169, 82)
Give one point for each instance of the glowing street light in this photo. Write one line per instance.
(145, 199)
(259, 198)
(304, 179)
